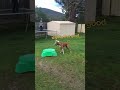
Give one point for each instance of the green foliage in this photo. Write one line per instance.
(40, 14)
(48, 14)
(71, 8)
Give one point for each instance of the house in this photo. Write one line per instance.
(96, 8)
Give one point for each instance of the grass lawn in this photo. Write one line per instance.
(14, 43)
(64, 72)
(103, 56)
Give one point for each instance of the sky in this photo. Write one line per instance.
(50, 4)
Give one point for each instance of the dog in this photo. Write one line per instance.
(62, 45)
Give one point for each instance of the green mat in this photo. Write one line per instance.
(48, 52)
(26, 63)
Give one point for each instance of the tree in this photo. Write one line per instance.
(71, 8)
(40, 14)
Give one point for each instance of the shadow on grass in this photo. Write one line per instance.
(14, 43)
(102, 55)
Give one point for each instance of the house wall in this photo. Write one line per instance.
(54, 27)
(64, 28)
(67, 29)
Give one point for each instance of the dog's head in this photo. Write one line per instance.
(56, 42)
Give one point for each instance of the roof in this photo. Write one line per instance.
(63, 22)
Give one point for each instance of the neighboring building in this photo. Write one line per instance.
(101, 7)
(81, 28)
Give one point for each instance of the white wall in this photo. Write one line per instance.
(67, 29)
(62, 28)
(54, 27)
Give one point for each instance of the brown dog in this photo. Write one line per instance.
(61, 45)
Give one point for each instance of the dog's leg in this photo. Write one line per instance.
(60, 49)
(68, 48)
(63, 50)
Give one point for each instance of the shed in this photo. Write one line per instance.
(62, 27)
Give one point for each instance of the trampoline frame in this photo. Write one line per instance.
(27, 13)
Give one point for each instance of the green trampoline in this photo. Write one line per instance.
(26, 63)
(48, 52)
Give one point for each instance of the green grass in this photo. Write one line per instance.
(102, 56)
(64, 72)
(14, 43)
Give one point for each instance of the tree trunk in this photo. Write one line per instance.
(72, 16)
(76, 27)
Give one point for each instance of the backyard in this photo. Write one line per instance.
(101, 56)
(64, 72)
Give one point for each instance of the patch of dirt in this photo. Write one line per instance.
(17, 81)
(67, 79)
